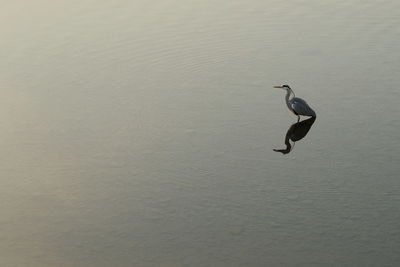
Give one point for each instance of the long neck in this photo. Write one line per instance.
(288, 93)
(287, 150)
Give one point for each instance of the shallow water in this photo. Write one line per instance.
(142, 134)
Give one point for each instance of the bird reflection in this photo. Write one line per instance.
(295, 133)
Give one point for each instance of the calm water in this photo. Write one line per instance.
(138, 133)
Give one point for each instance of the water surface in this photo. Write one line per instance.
(142, 134)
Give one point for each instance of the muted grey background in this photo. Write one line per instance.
(138, 133)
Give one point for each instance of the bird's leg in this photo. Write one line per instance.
(298, 118)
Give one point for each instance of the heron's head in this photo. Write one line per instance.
(285, 86)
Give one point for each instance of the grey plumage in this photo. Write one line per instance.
(301, 107)
(297, 105)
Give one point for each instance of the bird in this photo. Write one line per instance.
(296, 105)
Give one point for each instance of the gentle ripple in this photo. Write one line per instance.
(140, 133)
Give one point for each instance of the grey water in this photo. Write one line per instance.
(137, 133)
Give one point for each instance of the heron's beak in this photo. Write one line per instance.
(278, 86)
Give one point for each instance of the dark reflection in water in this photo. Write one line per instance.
(295, 133)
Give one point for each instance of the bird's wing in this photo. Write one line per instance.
(301, 107)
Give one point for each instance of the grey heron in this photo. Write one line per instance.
(297, 105)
